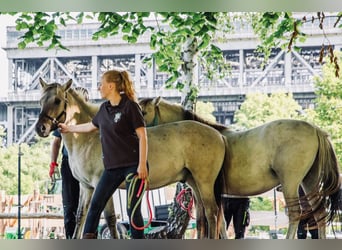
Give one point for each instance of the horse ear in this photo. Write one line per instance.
(67, 85)
(156, 101)
(42, 83)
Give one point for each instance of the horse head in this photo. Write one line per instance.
(53, 106)
(150, 110)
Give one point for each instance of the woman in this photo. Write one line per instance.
(124, 145)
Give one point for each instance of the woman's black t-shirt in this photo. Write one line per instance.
(117, 124)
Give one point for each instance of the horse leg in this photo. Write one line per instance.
(210, 207)
(294, 210)
(211, 212)
(321, 225)
(309, 188)
(110, 217)
(221, 223)
(200, 215)
(83, 205)
(201, 221)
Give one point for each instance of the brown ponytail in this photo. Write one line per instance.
(123, 82)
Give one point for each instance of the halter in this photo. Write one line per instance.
(56, 120)
(155, 120)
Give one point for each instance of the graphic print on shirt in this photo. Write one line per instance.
(117, 117)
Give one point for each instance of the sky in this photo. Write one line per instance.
(5, 21)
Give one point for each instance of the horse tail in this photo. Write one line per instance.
(329, 176)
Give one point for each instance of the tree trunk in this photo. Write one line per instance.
(190, 81)
(178, 219)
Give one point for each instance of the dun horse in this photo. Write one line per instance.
(185, 151)
(286, 152)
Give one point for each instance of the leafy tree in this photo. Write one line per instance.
(180, 40)
(329, 104)
(2, 135)
(283, 30)
(261, 204)
(34, 167)
(259, 108)
(205, 110)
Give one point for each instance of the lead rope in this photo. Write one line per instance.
(133, 178)
(181, 199)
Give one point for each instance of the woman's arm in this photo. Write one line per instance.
(143, 148)
(79, 128)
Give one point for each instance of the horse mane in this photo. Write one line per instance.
(190, 115)
(145, 101)
(80, 94)
(82, 91)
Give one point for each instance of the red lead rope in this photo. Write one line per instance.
(181, 199)
(142, 188)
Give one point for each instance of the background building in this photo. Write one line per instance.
(87, 60)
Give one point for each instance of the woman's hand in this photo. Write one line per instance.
(142, 171)
(63, 128)
(78, 128)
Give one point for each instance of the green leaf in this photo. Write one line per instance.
(163, 68)
(171, 79)
(180, 85)
(205, 42)
(132, 39)
(153, 41)
(22, 45)
(215, 49)
(127, 27)
(62, 21)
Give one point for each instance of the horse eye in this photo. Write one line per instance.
(57, 101)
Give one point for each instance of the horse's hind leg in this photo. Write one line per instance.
(309, 188)
(206, 191)
(294, 211)
(201, 220)
(200, 215)
(110, 217)
(211, 212)
(321, 226)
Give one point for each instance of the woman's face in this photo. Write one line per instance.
(106, 88)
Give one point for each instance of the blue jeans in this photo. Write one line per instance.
(110, 180)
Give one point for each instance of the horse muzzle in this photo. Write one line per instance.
(44, 129)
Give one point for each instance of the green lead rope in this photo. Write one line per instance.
(132, 179)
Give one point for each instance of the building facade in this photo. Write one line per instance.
(86, 60)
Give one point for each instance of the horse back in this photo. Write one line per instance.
(260, 157)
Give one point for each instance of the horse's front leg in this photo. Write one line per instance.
(110, 217)
(83, 205)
